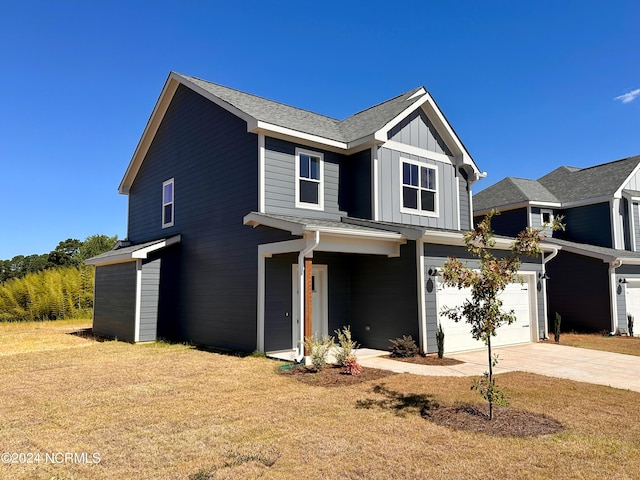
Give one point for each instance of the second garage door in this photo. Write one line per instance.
(517, 297)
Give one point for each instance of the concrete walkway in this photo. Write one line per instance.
(579, 364)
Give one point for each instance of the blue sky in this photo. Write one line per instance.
(527, 86)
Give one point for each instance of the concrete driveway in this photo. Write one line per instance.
(579, 364)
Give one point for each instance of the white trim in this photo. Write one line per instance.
(422, 303)
(436, 199)
(551, 216)
(138, 307)
(514, 206)
(142, 253)
(613, 292)
(471, 215)
(632, 234)
(618, 192)
(261, 172)
(319, 182)
(266, 250)
(419, 152)
(529, 216)
(457, 178)
(171, 182)
(375, 188)
(323, 270)
(261, 126)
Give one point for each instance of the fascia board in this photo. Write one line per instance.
(618, 193)
(290, 134)
(514, 206)
(385, 236)
(254, 220)
(160, 108)
(141, 254)
(457, 239)
(587, 201)
(144, 252)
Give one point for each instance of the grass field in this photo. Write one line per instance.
(172, 411)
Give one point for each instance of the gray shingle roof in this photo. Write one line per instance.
(352, 128)
(509, 191)
(572, 184)
(564, 184)
(593, 250)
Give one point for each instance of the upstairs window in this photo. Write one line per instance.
(419, 188)
(309, 177)
(168, 195)
(547, 216)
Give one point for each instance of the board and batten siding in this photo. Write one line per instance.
(114, 309)
(390, 188)
(636, 224)
(149, 299)
(214, 163)
(280, 181)
(418, 131)
(436, 256)
(464, 201)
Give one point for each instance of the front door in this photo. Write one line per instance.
(320, 318)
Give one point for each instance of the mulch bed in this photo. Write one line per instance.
(332, 376)
(431, 360)
(507, 421)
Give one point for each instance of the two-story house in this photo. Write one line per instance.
(253, 224)
(595, 280)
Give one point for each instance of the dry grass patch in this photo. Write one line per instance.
(174, 412)
(596, 341)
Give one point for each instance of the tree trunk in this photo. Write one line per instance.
(490, 386)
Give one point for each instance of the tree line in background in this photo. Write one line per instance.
(51, 286)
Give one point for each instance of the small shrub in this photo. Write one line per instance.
(350, 366)
(440, 340)
(630, 324)
(556, 328)
(319, 349)
(346, 344)
(404, 347)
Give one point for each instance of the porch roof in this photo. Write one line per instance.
(131, 252)
(605, 254)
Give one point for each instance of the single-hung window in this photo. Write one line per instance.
(168, 195)
(419, 188)
(309, 174)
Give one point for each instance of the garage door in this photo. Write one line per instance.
(633, 304)
(516, 297)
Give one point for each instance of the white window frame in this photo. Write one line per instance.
(320, 182)
(542, 212)
(166, 224)
(436, 200)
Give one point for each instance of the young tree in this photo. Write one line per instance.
(483, 311)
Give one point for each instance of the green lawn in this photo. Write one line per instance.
(171, 411)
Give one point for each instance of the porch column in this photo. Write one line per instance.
(308, 298)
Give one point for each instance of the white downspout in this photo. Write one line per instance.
(554, 252)
(614, 305)
(301, 274)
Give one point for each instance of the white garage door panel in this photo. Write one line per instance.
(458, 338)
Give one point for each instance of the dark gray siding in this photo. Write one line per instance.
(509, 222)
(149, 298)
(278, 312)
(463, 202)
(115, 301)
(215, 165)
(280, 180)
(626, 224)
(588, 224)
(355, 185)
(418, 131)
(384, 297)
(390, 199)
(436, 256)
(578, 289)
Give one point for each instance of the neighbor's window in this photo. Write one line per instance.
(309, 173)
(419, 192)
(547, 216)
(168, 195)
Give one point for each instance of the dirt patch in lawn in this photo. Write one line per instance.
(431, 360)
(506, 422)
(332, 376)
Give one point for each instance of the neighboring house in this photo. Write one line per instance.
(244, 211)
(595, 280)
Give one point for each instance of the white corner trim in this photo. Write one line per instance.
(422, 305)
(138, 307)
(261, 172)
(375, 187)
(419, 152)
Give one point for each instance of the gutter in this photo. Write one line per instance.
(301, 275)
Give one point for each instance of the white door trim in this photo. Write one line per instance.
(322, 288)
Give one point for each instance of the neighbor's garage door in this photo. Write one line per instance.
(457, 336)
(633, 304)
